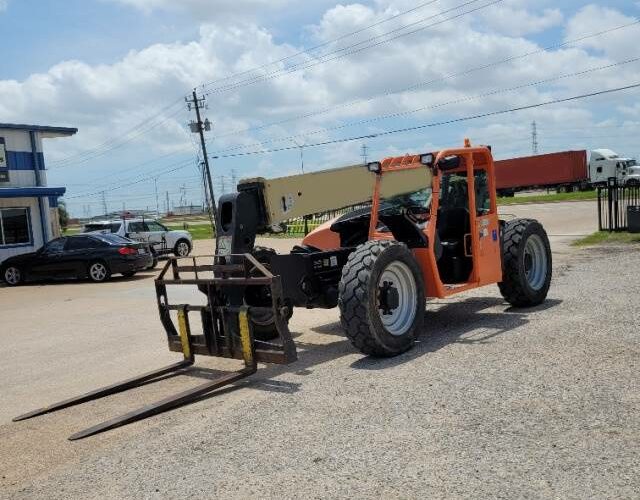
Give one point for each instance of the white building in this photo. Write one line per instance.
(28, 215)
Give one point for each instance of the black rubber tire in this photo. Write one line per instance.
(175, 248)
(154, 262)
(514, 286)
(129, 274)
(358, 298)
(106, 266)
(20, 280)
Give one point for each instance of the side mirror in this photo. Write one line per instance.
(449, 163)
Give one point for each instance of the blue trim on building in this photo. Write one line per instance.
(39, 128)
(33, 192)
(37, 166)
(53, 202)
(29, 223)
(23, 160)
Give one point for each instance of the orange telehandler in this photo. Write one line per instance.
(426, 226)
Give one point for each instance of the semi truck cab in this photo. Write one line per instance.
(604, 164)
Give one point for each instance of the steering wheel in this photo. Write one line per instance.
(417, 213)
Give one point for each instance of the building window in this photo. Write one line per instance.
(14, 226)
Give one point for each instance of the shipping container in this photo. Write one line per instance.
(566, 168)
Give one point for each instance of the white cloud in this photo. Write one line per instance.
(3, 5)
(514, 18)
(594, 18)
(207, 9)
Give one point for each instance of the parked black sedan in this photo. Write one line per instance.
(93, 256)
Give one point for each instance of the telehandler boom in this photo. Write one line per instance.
(427, 226)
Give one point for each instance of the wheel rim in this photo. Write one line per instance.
(98, 272)
(12, 275)
(183, 249)
(535, 262)
(398, 320)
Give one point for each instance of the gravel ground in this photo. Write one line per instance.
(492, 402)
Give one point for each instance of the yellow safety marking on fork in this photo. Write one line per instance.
(184, 337)
(245, 337)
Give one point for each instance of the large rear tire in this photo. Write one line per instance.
(381, 298)
(526, 263)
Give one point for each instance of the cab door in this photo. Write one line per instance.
(485, 244)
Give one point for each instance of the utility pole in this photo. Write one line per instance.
(223, 184)
(301, 146)
(234, 180)
(167, 200)
(199, 127)
(104, 203)
(534, 138)
(365, 158)
(155, 182)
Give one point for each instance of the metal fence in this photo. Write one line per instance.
(613, 202)
(304, 225)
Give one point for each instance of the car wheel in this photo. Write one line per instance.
(182, 248)
(98, 272)
(154, 262)
(12, 275)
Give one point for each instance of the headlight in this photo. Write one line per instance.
(374, 167)
(427, 159)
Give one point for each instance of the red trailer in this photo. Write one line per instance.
(563, 169)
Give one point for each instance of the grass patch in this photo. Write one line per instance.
(546, 198)
(198, 231)
(70, 231)
(605, 237)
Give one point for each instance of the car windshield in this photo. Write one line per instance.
(114, 239)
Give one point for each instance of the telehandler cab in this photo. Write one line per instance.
(427, 226)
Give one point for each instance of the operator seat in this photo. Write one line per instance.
(454, 219)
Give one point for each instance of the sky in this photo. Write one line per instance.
(303, 77)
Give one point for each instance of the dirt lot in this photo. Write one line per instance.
(491, 402)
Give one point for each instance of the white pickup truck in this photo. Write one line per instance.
(161, 239)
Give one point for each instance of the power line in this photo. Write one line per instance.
(436, 124)
(306, 65)
(84, 195)
(315, 47)
(108, 145)
(423, 84)
(433, 106)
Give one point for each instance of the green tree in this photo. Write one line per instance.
(63, 215)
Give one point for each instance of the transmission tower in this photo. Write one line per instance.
(365, 157)
(534, 138)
